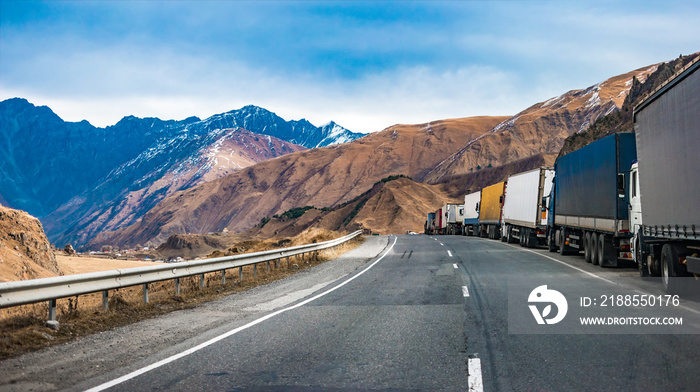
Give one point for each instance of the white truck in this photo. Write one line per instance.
(470, 221)
(525, 207)
(665, 182)
(454, 216)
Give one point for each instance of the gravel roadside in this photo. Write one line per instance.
(101, 357)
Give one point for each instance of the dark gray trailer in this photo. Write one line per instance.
(665, 205)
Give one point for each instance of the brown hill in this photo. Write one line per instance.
(25, 252)
(322, 177)
(391, 206)
(541, 129)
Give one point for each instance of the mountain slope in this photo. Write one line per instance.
(540, 129)
(322, 177)
(25, 252)
(392, 205)
(137, 186)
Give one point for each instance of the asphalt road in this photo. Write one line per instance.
(442, 314)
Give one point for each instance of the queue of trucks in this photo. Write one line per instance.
(627, 196)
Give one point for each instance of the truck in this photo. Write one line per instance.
(490, 208)
(665, 203)
(430, 223)
(454, 215)
(471, 213)
(525, 207)
(590, 194)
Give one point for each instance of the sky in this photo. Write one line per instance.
(365, 65)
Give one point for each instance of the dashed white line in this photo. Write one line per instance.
(450, 253)
(441, 244)
(465, 291)
(476, 383)
(455, 265)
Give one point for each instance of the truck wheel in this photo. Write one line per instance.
(670, 270)
(594, 249)
(509, 234)
(587, 246)
(529, 240)
(551, 243)
(643, 270)
(601, 249)
(562, 243)
(608, 253)
(526, 238)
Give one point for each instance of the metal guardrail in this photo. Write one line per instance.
(50, 289)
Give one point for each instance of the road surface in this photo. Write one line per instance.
(442, 313)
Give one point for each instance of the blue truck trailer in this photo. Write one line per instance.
(590, 194)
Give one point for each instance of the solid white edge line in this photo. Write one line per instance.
(568, 265)
(476, 383)
(465, 291)
(194, 349)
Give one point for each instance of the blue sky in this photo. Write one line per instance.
(366, 65)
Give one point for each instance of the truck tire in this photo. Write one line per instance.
(528, 239)
(607, 255)
(509, 234)
(643, 269)
(551, 243)
(562, 241)
(587, 246)
(670, 270)
(594, 249)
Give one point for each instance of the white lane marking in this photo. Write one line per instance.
(570, 266)
(465, 291)
(289, 298)
(476, 383)
(450, 253)
(441, 244)
(455, 265)
(194, 349)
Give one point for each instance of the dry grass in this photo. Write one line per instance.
(22, 328)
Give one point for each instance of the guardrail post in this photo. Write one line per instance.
(145, 293)
(201, 281)
(52, 310)
(268, 266)
(223, 277)
(240, 273)
(255, 271)
(177, 286)
(105, 300)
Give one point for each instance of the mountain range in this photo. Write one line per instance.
(82, 180)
